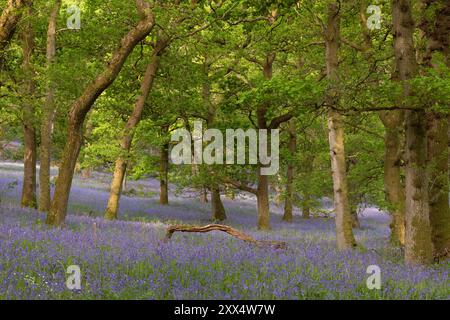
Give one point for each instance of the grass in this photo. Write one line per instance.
(128, 259)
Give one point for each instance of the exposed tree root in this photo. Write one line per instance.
(231, 231)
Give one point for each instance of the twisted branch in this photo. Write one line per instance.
(231, 231)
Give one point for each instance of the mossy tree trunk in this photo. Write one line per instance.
(164, 174)
(435, 26)
(28, 118)
(292, 147)
(418, 245)
(130, 127)
(344, 232)
(439, 190)
(217, 207)
(48, 114)
(262, 195)
(9, 19)
(82, 105)
(393, 122)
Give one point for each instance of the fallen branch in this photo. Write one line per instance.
(231, 231)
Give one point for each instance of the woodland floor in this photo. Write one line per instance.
(127, 259)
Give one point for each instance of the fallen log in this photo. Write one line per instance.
(227, 229)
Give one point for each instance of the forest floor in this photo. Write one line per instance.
(128, 259)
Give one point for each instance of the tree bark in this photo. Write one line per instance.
(163, 175)
(133, 121)
(354, 217)
(262, 199)
(203, 193)
(292, 146)
(344, 232)
(306, 207)
(217, 207)
(85, 170)
(307, 166)
(48, 114)
(231, 231)
(439, 190)
(10, 18)
(394, 189)
(262, 191)
(306, 201)
(262, 195)
(437, 33)
(28, 118)
(1, 143)
(418, 246)
(84, 103)
(218, 210)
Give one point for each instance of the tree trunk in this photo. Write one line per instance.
(418, 246)
(125, 182)
(277, 187)
(133, 121)
(9, 19)
(437, 33)
(1, 143)
(48, 113)
(163, 175)
(81, 107)
(217, 207)
(292, 146)
(116, 189)
(344, 232)
(394, 189)
(218, 210)
(262, 199)
(28, 116)
(203, 195)
(308, 167)
(57, 214)
(306, 207)
(354, 217)
(262, 196)
(86, 170)
(29, 160)
(439, 190)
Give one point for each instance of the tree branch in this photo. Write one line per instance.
(231, 231)
(275, 123)
(239, 185)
